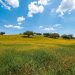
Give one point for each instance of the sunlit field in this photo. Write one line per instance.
(38, 55)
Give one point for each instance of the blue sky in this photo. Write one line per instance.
(17, 16)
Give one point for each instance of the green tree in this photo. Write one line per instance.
(67, 36)
(2, 33)
(38, 33)
(28, 33)
(46, 34)
(54, 35)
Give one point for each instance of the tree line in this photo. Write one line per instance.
(57, 35)
(49, 35)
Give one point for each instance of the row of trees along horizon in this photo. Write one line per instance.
(49, 35)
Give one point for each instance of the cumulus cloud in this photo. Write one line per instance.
(10, 3)
(13, 3)
(43, 2)
(36, 7)
(20, 20)
(12, 26)
(65, 6)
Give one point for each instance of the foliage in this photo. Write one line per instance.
(2, 33)
(46, 34)
(67, 36)
(28, 33)
(51, 35)
(38, 33)
(54, 35)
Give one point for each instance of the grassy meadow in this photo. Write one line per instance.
(39, 55)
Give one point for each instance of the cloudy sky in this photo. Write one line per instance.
(17, 16)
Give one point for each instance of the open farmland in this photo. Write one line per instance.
(36, 56)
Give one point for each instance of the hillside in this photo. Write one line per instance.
(38, 55)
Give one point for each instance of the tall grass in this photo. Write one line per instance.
(39, 62)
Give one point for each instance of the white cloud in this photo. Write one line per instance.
(13, 3)
(8, 26)
(20, 20)
(43, 2)
(10, 3)
(40, 26)
(49, 29)
(30, 14)
(66, 6)
(57, 25)
(14, 27)
(36, 7)
(18, 27)
(5, 5)
(19, 23)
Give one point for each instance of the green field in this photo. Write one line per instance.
(38, 55)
